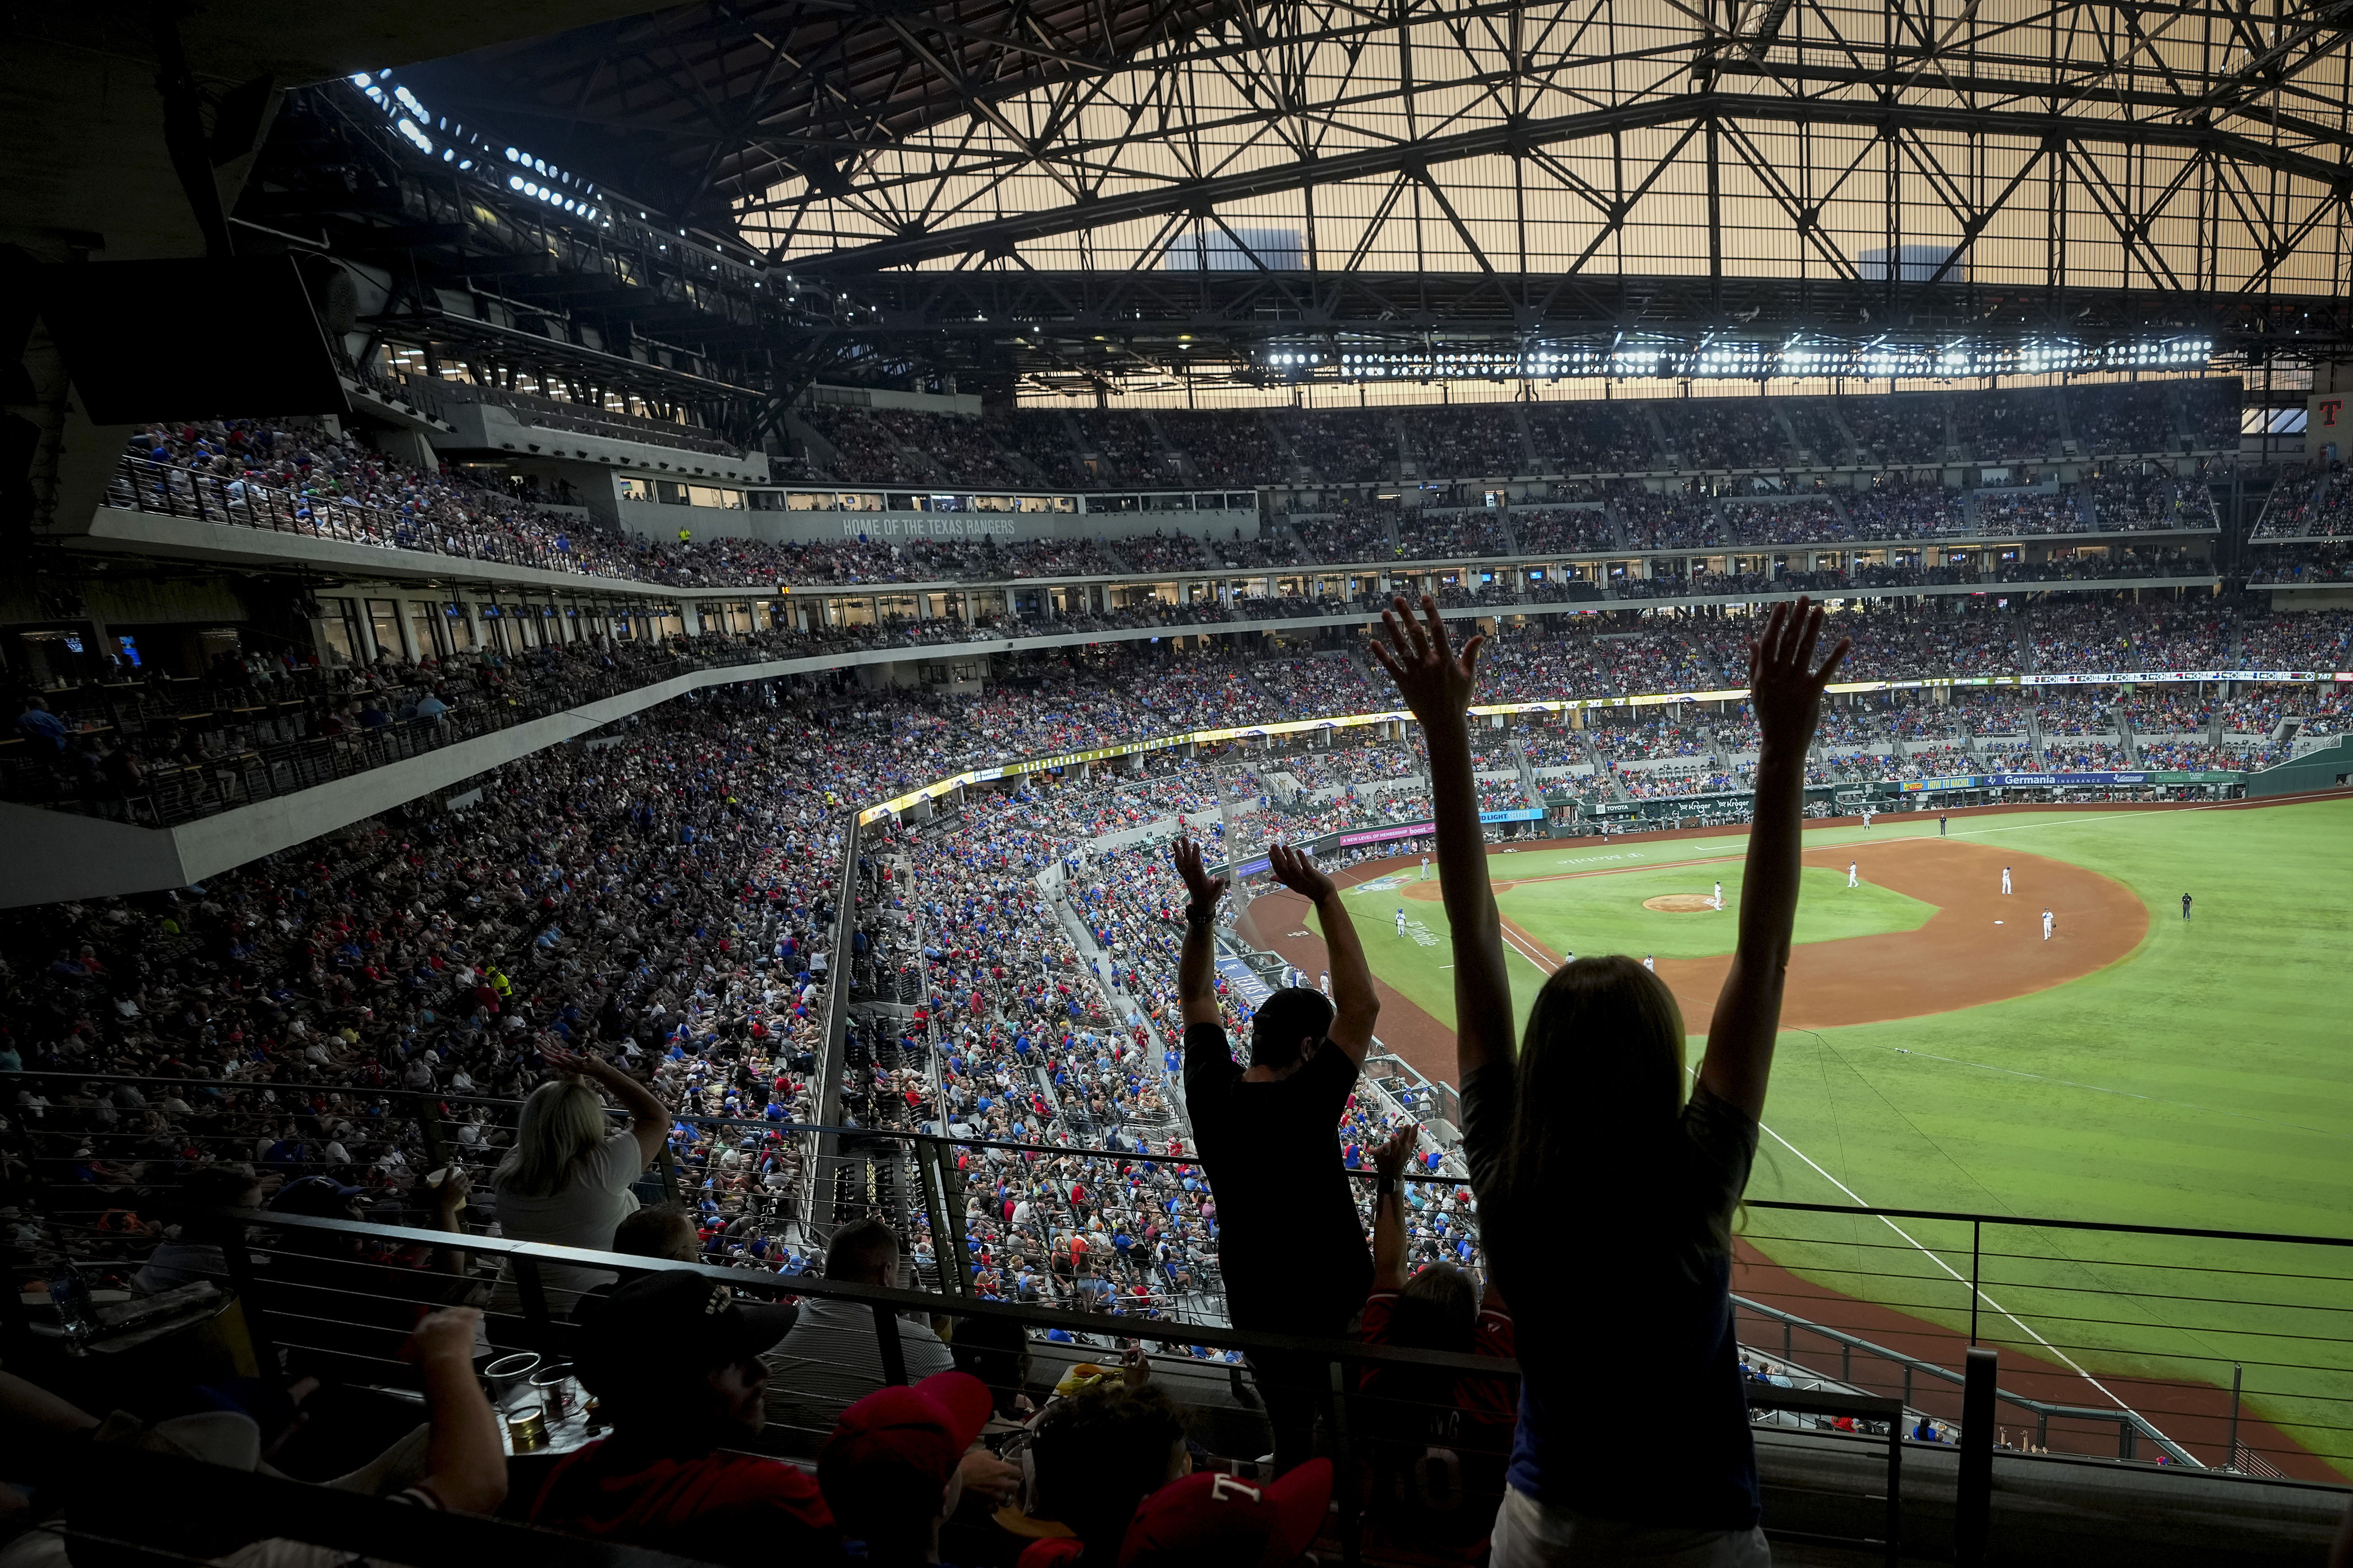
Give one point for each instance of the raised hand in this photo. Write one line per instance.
(1433, 678)
(447, 1334)
(1389, 1158)
(1783, 684)
(1294, 870)
(1203, 889)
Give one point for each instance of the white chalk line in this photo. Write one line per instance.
(1999, 1310)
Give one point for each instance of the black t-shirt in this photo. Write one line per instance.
(1635, 1319)
(1290, 1243)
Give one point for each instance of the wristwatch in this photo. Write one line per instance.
(1200, 914)
(1383, 1185)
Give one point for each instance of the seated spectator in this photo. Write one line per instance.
(192, 1250)
(898, 1449)
(567, 1180)
(831, 1360)
(1420, 1416)
(1097, 1454)
(657, 1230)
(1592, 1104)
(464, 1470)
(675, 1364)
(1216, 1519)
(44, 733)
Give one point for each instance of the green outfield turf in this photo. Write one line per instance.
(2206, 1079)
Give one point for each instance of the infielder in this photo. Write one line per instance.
(1851, 880)
(1719, 894)
(1650, 964)
(1401, 920)
(2046, 925)
(2005, 879)
(1866, 820)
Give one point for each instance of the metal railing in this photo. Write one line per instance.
(2202, 1348)
(2222, 1349)
(319, 1295)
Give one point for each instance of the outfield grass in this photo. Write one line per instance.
(2205, 1080)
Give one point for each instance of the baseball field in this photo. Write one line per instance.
(1940, 1052)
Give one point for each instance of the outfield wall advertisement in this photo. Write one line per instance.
(2064, 781)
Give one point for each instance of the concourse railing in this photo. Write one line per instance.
(2191, 1347)
(336, 1297)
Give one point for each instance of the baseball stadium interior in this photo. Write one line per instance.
(1001, 781)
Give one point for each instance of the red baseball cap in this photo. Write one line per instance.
(1213, 1517)
(898, 1445)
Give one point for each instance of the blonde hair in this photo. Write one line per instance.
(562, 1122)
(1601, 1085)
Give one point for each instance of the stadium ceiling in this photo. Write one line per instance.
(1086, 193)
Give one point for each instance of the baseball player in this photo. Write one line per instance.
(1940, 827)
(1401, 920)
(1650, 964)
(2185, 906)
(2046, 925)
(1866, 820)
(1851, 879)
(1719, 893)
(1327, 982)
(2005, 879)
(1425, 867)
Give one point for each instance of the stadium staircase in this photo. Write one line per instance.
(2127, 741)
(1853, 450)
(1788, 431)
(1172, 457)
(2034, 743)
(1527, 439)
(1284, 444)
(1662, 445)
(1616, 530)
(1528, 784)
(1603, 778)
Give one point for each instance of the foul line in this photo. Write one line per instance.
(1860, 1201)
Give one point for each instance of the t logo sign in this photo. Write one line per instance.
(2329, 407)
(1224, 1487)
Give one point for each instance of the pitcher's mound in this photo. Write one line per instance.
(1681, 903)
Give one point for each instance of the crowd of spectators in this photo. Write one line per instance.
(666, 896)
(1724, 433)
(1592, 438)
(1449, 534)
(1467, 441)
(2293, 563)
